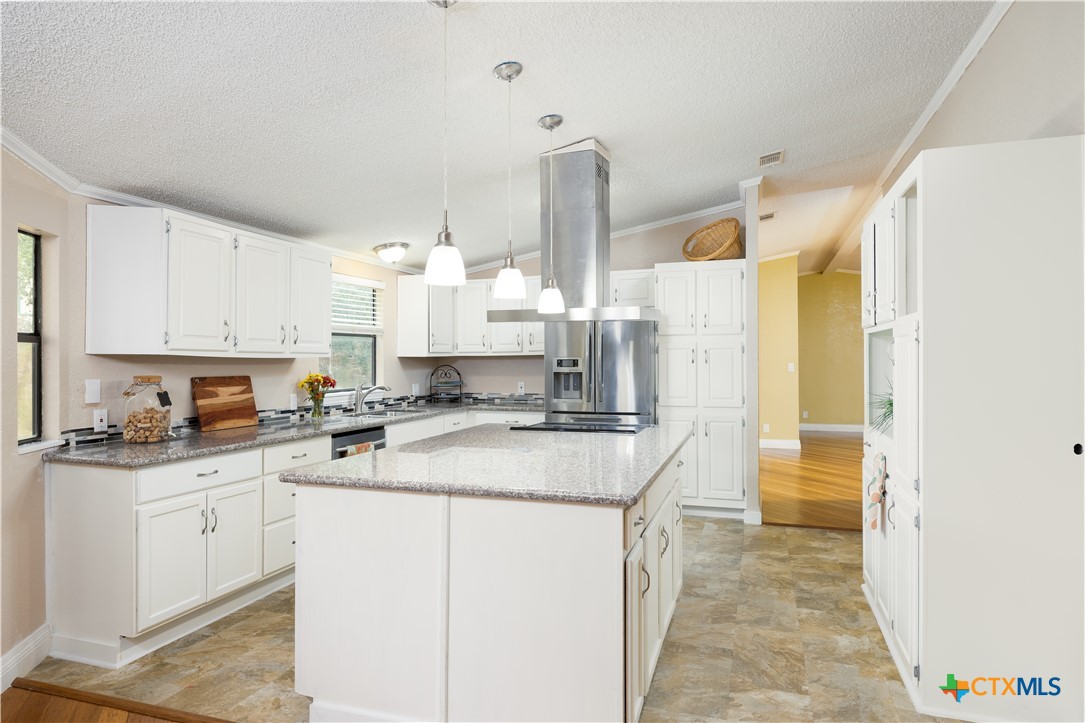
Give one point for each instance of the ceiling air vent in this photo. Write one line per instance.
(770, 159)
(767, 216)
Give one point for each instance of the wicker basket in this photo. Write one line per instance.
(717, 240)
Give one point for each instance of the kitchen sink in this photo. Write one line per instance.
(383, 413)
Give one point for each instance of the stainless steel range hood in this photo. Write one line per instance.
(581, 212)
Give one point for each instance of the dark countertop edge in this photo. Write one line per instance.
(302, 430)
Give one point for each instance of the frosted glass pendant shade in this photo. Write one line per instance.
(444, 267)
(550, 300)
(510, 284)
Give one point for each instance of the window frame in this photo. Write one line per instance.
(377, 332)
(34, 337)
(376, 356)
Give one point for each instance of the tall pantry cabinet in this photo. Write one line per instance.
(974, 316)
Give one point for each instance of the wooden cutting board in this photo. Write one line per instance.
(224, 402)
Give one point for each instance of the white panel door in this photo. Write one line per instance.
(721, 452)
(676, 297)
(885, 264)
(200, 287)
(263, 279)
(677, 534)
(171, 558)
(310, 301)
(471, 318)
(678, 372)
(651, 637)
(680, 420)
(905, 469)
(883, 557)
(867, 277)
(442, 319)
(234, 537)
(506, 337)
(534, 331)
(634, 662)
(905, 593)
(720, 361)
(666, 565)
(719, 301)
(870, 537)
(633, 288)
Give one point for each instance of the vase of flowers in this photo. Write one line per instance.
(316, 386)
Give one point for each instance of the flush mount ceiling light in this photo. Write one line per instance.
(391, 253)
(510, 282)
(550, 300)
(444, 267)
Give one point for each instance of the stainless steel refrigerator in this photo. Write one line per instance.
(601, 372)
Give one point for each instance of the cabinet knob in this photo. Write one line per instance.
(1077, 448)
(639, 521)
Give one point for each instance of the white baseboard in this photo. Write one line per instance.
(780, 444)
(752, 517)
(714, 512)
(324, 712)
(25, 655)
(830, 428)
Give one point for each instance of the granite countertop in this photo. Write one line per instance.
(191, 443)
(491, 460)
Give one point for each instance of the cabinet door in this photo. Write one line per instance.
(471, 318)
(534, 331)
(651, 639)
(263, 277)
(677, 534)
(683, 420)
(905, 469)
(171, 558)
(454, 422)
(279, 544)
(905, 595)
(310, 302)
(506, 337)
(633, 288)
(885, 264)
(867, 274)
(200, 287)
(721, 468)
(635, 581)
(678, 372)
(870, 537)
(721, 372)
(719, 301)
(666, 565)
(883, 562)
(234, 537)
(442, 319)
(676, 298)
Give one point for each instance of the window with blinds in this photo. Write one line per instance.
(357, 324)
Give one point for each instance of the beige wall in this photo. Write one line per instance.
(778, 328)
(1028, 81)
(645, 249)
(830, 348)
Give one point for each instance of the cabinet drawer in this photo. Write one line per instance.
(278, 546)
(197, 474)
(634, 523)
(296, 454)
(278, 499)
(498, 417)
(455, 421)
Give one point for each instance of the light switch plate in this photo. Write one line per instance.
(805, 414)
(101, 420)
(520, 388)
(791, 366)
(765, 428)
(293, 401)
(93, 391)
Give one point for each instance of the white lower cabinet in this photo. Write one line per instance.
(721, 446)
(404, 432)
(499, 417)
(455, 421)
(635, 589)
(234, 538)
(172, 567)
(904, 566)
(278, 546)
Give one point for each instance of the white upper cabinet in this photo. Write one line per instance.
(721, 372)
(200, 284)
(719, 301)
(442, 319)
(906, 412)
(263, 282)
(534, 331)
(676, 297)
(885, 262)
(867, 283)
(505, 337)
(633, 288)
(471, 305)
(310, 301)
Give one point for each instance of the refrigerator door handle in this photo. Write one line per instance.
(599, 370)
(590, 375)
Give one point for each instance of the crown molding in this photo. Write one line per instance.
(38, 162)
(678, 219)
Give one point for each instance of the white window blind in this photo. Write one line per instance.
(357, 305)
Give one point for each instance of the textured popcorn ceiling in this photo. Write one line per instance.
(323, 121)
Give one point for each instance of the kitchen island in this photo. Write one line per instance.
(487, 574)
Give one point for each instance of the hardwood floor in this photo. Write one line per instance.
(819, 486)
(29, 701)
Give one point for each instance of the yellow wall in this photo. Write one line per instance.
(831, 349)
(778, 325)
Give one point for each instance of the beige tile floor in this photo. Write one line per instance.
(771, 625)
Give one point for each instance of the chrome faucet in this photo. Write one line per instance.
(360, 394)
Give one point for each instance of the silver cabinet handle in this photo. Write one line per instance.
(214, 520)
(299, 456)
(293, 494)
(866, 444)
(531, 339)
(483, 340)
(207, 474)
(706, 356)
(615, 296)
(639, 521)
(432, 340)
(693, 355)
(455, 424)
(296, 333)
(227, 325)
(679, 506)
(649, 576)
(203, 514)
(666, 542)
(691, 324)
(706, 320)
(889, 514)
(282, 328)
(680, 463)
(517, 340)
(706, 429)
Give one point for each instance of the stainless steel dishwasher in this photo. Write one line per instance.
(343, 441)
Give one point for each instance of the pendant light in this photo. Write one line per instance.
(444, 267)
(550, 301)
(510, 282)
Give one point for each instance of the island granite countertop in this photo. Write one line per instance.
(191, 443)
(491, 460)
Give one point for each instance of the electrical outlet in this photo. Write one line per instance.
(765, 428)
(805, 414)
(791, 366)
(101, 420)
(293, 401)
(520, 388)
(93, 391)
